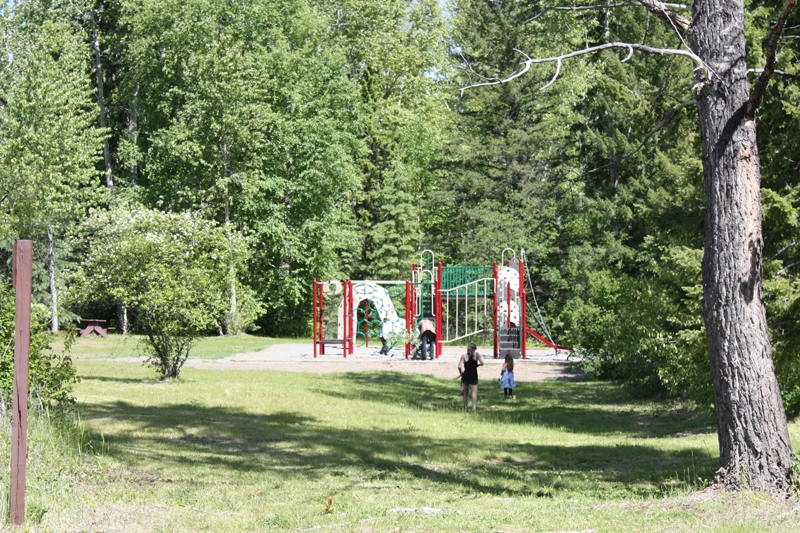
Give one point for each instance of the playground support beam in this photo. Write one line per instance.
(439, 311)
(409, 314)
(494, 314)
(352, 316)
(346, 317)
(321, 322)
(315, 317)
(523, 319)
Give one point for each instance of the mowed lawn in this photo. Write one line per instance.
(122, 346)
(264, 451)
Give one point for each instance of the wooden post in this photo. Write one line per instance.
(22, 260)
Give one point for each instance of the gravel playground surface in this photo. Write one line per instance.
(539, 365)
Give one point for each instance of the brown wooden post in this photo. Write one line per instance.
(23, 251)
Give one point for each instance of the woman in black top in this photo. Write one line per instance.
(468, 369)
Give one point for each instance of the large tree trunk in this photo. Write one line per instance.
(755, 451)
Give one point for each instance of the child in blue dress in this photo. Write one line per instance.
(507, 378)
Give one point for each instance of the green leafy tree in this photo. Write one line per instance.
(167, 269)
(246, 114)
(396, 52)
(49, 143)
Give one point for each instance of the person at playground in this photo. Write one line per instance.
(384, 334)
(427, 336)
(468, 370)
(507, 378)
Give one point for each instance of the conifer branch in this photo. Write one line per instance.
(779, 252)
(667, 119)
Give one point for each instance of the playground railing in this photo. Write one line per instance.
(465, 309)
(465, 277)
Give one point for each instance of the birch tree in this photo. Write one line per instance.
(49, 143)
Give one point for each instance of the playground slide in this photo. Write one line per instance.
(547, 342)
(380, 302)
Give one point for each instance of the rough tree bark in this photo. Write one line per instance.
(755, 450)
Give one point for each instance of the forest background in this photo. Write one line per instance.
(304, 140)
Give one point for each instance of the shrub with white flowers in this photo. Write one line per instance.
(172, 271)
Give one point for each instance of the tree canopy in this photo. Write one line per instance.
(328, 140)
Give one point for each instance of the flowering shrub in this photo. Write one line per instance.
(174, 272)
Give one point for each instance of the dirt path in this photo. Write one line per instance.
(540, 364)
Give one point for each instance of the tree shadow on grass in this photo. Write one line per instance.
(590, 408)
(109, 379)
(297, 447)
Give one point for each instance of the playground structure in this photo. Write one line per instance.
(462, 302)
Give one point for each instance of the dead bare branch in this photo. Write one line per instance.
(526, 65)
(760, 87)
(662, 10)
(776, 71)
(787, 267)
(605, 6)
(779, 252)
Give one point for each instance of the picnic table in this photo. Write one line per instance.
(94, 325)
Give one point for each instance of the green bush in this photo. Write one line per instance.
(646, 331)
(51, 377)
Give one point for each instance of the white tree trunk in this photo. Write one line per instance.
(51, 264)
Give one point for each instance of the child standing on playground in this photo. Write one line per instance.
(468, 370)
(507, 378)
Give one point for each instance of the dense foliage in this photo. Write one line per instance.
(330, 140)
(51, 375)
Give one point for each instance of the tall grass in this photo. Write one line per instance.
(61, 452)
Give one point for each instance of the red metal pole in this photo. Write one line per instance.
(21, 279)
(345, 317)
(315, 318)
(508, 302)
(408, 314)
(321, 324)
(494, 315)
(524, 305)
(353, 316)
(439, 311)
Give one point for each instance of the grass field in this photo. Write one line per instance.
(264, 451)
(122, 346)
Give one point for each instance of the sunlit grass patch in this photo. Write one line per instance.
(211, 347)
